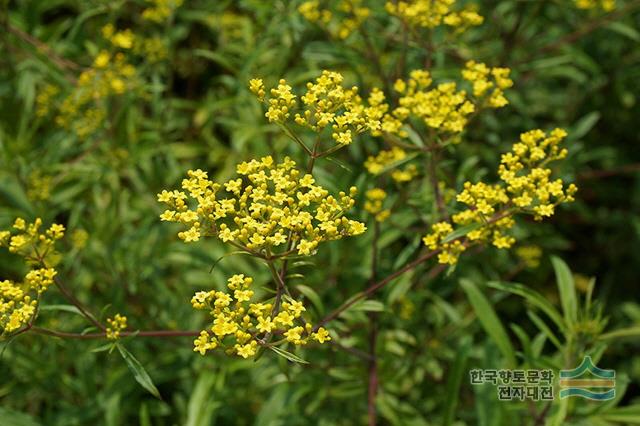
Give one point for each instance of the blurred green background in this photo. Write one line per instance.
(188, 107)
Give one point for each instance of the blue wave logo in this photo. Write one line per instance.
(599, 388)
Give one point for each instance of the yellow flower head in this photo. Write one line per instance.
(266, 207)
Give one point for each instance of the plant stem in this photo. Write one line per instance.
(87, 336)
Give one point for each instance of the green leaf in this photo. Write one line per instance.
(544, 328)
(338, 163)
(533, 297)
(621, 333)
(201, 404)
(584, 125)
(369, 306)
(567, 290)
(311, 294)
(65, 308)
(625, 415)
(15, 418)
(625, 30)
(103, 348)
(288, 355)
(461, 232)
(489, 321)
(455, 376)
(215, 57)
(139, 373)
(233, 253)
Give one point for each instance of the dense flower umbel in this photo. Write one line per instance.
(444, 108)
(488, 83)
(326, 104)
(271, 208)
(19, 300)
(433, 13)
(606, 5)
(525, 187)
(349, 16)
(238, 324)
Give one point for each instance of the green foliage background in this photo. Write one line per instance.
(572, 68)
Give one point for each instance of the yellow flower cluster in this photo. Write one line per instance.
(525, 187)
(153, 49)
(350, 14)
(326, 104)
(115, 325)
(433, 13)
(387, 160)
(161, 10)
(529, 255)
(238, 324)
(81, 110)
(606, 5)
(443, 108)
(19, 300)
(488, 83)
(271, 208)
(373, 205)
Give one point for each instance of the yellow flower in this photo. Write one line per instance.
(262, 208)
(525, 187)
(115, 326)
(433, 13)
(321, 335)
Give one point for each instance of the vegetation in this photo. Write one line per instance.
(328, 211)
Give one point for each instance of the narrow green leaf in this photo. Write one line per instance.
(233, 253)
(625, 30)
(103, 348)
(139, 373)
(369, 306)
(338, 163)
(461, 232)
(544, 328)
(489, 321)
(533, 297)
(621, 333)
(288, 355)
(567, 290)
(584, 125)
(65, 308)
(311, 294)
(455, 379)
